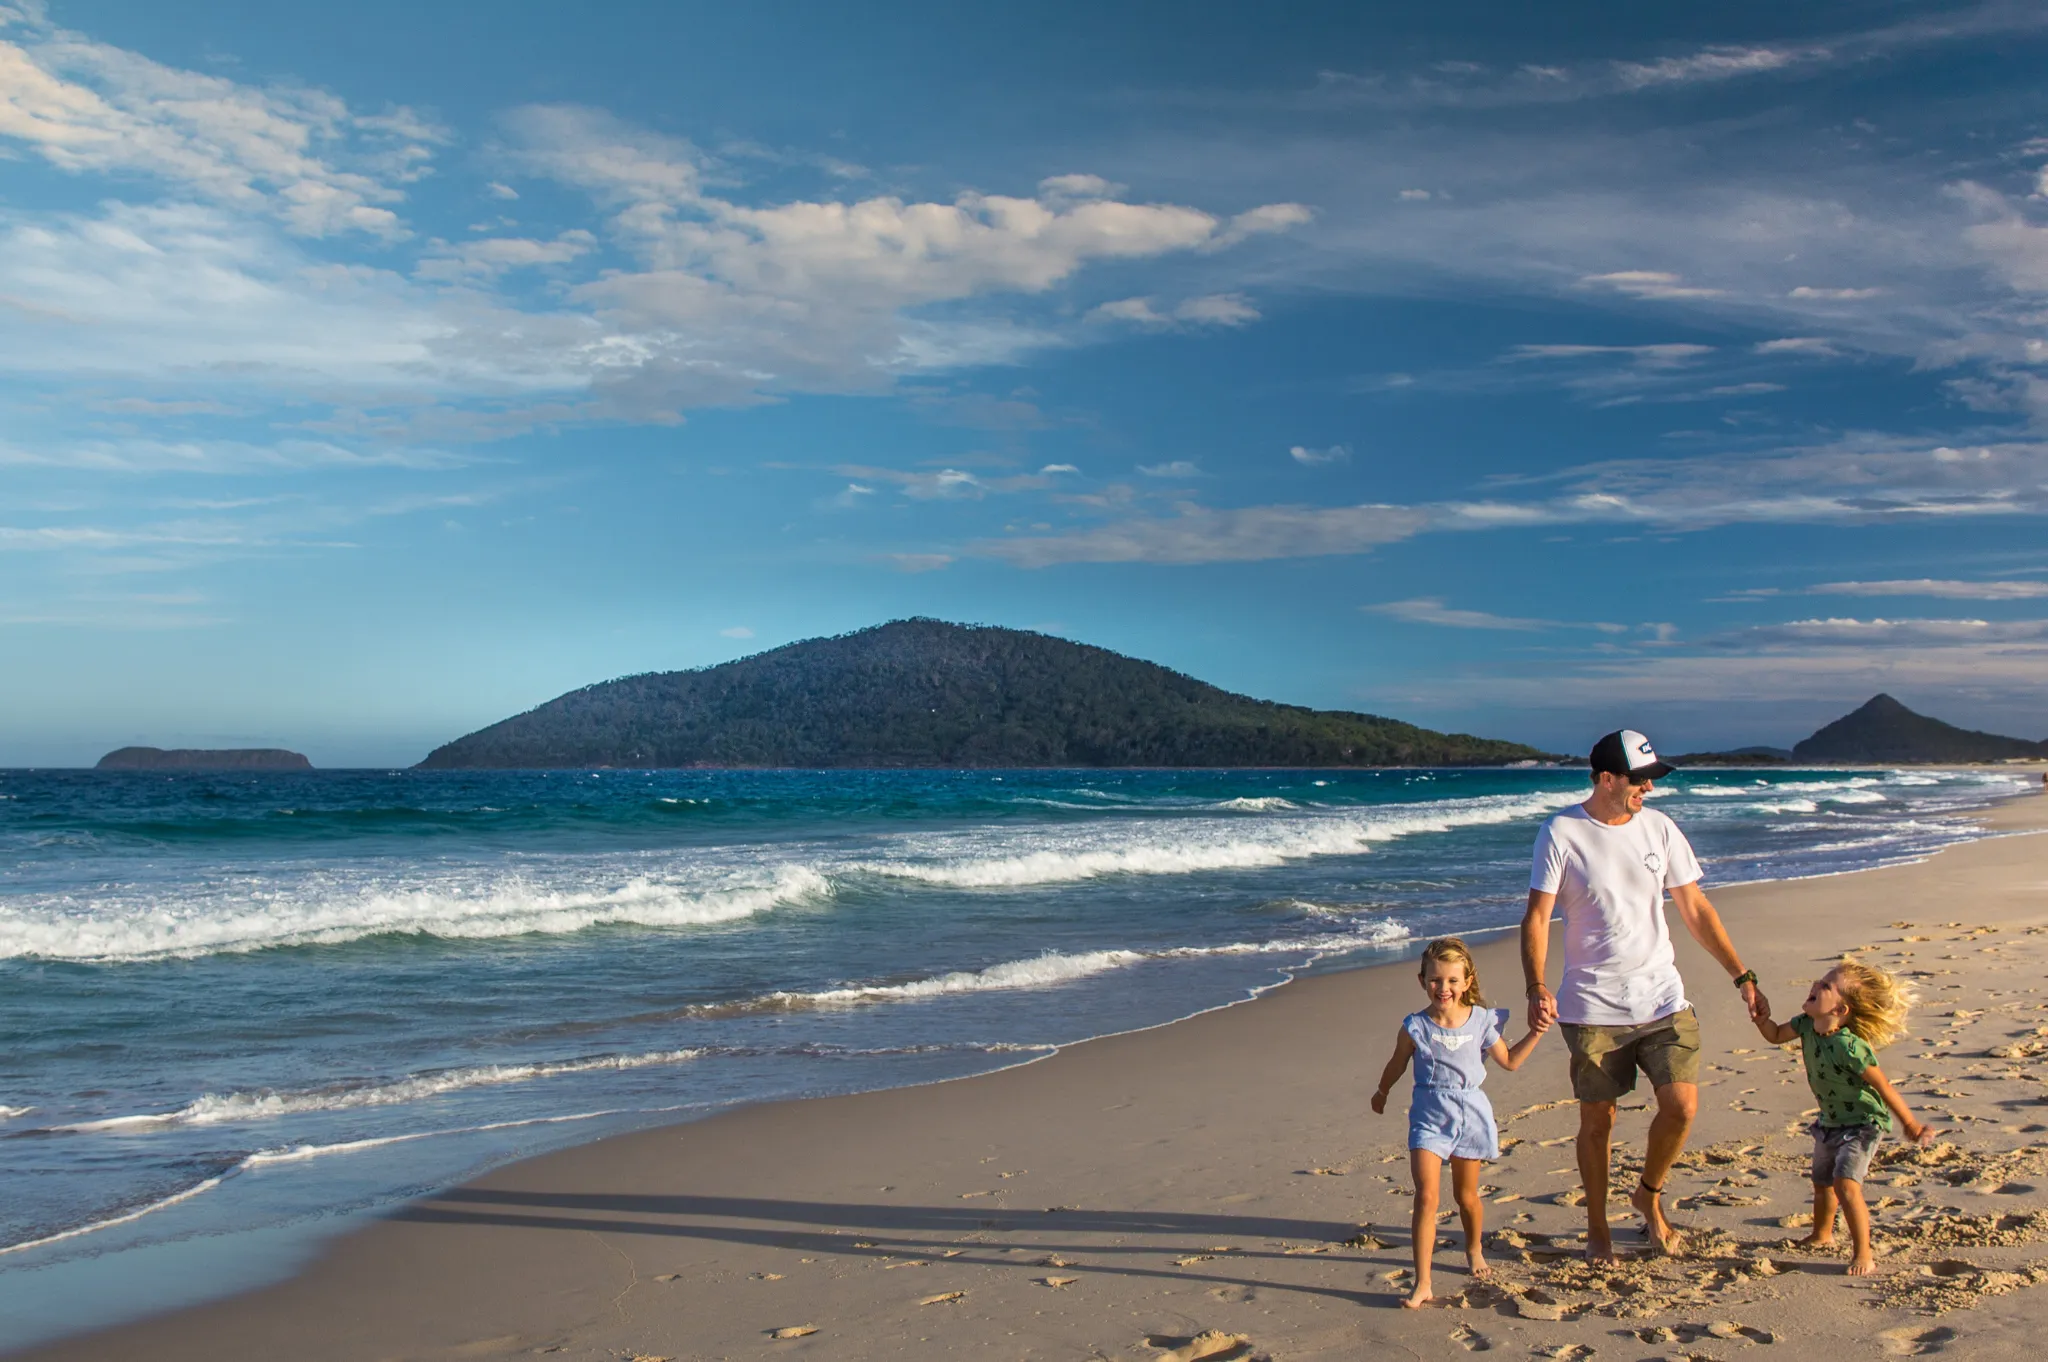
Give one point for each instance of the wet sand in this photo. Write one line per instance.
(1219, 1188)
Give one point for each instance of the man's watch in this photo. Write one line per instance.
(1532, 990)
(1748, 976)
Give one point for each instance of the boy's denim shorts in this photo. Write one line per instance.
(1843, 1152)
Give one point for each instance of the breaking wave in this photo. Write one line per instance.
(128, 931)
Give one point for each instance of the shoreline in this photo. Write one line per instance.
(484, 1270)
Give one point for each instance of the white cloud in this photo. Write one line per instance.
(1052, 468)
(1849, 632)
(736, 631)
(1668, 355)
(1652, 284)
(1715, 64)
(1432, 610)
(917, 562)
(1834, 295)
(1178, 468)
(1201, 535)
(146, 455)
(1412, 195)
(300, 155)
(1216, 309)
(1946, 589)
(501, 191)
(489, 257)
(1798, 345)
(1303, 454)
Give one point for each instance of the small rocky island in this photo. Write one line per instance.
(203, 759)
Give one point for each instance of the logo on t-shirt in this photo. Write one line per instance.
(1452, 1043)
(1653, 863)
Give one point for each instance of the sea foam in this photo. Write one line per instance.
(1189, 845)
(333, 914)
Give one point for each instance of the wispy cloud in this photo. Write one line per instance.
(1201, 535)
(1431, 610)
(1941, 588)
(1311, 456)
(1216, 309)
(85, 106)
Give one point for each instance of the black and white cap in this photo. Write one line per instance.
(1628, 753)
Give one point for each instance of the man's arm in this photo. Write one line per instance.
(1705, 925)
(1535, 955)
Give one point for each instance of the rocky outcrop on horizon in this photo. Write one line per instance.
(203, 759)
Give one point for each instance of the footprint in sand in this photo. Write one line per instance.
(1914, 1340)
(1470, 1339)
(1212, 1345)
(1563, 1352)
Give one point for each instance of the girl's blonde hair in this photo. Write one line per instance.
(1878, 1001)
(1455, 951)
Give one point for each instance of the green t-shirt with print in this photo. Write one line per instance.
(1834, 1070)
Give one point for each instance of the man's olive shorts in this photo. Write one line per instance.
(1605, 1058)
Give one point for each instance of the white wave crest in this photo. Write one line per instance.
(1040, 971)
(222, 1108)
(1258, 804)
(9, 1113)
(126, 931)
(1194, 845)
(196, 1189)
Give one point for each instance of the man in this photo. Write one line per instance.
(1604, 866)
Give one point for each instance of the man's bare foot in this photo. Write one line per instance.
(1600, 1247)
(1816, 1240)
(1417, 1298)
(1862, 1265)
(1649, 1205)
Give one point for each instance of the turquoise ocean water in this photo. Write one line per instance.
(240, 1012)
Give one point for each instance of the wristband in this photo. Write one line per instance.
(1748, 976)
(1531, 991)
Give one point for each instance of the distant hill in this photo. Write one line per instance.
(923, 692)
(1740, 756)
(1884, 730)
(203, 759)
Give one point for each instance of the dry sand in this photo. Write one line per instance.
(1219, 1188)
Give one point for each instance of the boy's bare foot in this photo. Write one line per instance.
(1816, 1240)
(1417, 1298)
(1649, 1205)
(1862, 1265)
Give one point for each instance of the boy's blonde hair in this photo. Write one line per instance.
(1455, 951)
(1878, 1001)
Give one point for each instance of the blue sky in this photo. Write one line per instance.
(370, 373)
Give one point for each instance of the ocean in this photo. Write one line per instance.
(241, 1012)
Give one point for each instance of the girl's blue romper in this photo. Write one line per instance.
(1449, 1116)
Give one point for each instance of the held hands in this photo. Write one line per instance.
(1759, 1005)
(1542, 1008)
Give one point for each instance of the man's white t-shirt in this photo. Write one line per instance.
(1610, 879)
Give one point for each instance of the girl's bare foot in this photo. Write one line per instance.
(1862, 1265)
(1816, 1240)
(1600, 1247)
(1417, 1298)
(1481, 1269)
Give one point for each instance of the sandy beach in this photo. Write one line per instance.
(1224, 1177)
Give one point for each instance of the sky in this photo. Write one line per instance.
(370, 373)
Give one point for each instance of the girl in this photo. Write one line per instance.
(1851, 1013)
(1450, 1117)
